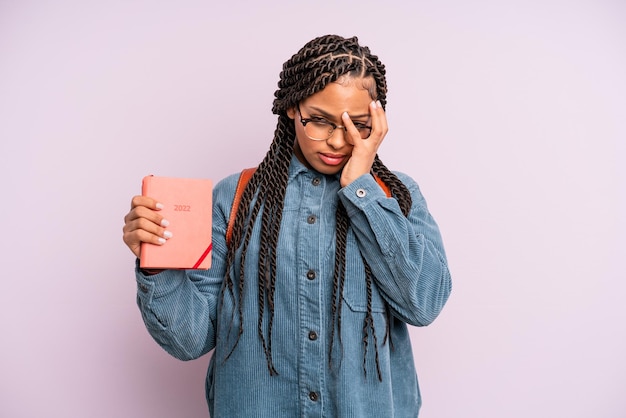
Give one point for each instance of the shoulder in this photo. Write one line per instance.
(413, 187)
(405, 178)
(227, 184)
(408, 181)
(224, 193)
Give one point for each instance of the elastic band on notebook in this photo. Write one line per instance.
(203, 256)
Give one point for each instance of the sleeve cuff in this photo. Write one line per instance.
(150, 286)
(360, 193)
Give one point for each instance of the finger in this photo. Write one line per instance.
(143, 230)
(142, 202)
(134, 238)
(145, 201)
(145, 219)
(351, 131)
(379, 120)
(144, 224)
(150, 215)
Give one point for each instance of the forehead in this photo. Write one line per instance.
(364, 83)
(346, 94)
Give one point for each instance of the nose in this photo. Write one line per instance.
(339, 138)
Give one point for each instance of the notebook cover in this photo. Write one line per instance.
(187, 205)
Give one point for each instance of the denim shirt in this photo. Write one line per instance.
(184, 313)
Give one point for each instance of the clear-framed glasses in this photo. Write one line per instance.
(320, 129)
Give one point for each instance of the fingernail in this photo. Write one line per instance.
(159, 206)
(167, 234)
(374, 104)
(379, 104)
(162, 240)
(165, 223)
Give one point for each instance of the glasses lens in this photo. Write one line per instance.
(364, 131)
(318, 130)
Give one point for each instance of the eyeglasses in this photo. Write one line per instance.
(319, 129)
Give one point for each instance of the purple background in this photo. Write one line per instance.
(510, 115)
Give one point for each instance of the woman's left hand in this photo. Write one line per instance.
(364, 150)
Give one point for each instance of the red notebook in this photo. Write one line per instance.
(187, 205)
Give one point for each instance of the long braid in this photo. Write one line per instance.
(320, 62)
(339, 274)
(403, 196)
(260, 189)
(369, 323)
(397, 188)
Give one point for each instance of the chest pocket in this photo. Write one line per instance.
(355, 287)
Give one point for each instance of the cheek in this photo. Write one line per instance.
(303, 142)
(300, 132)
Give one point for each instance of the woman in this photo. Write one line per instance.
(307, 304)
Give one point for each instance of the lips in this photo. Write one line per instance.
(332, 159)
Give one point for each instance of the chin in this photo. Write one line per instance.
(328, 170)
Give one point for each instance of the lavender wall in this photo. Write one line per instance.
(509, 114)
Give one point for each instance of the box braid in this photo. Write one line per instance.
(321, 61)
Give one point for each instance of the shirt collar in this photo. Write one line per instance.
(296, 167)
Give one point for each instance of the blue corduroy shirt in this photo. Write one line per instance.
(184, 312)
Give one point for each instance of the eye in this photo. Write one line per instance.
(320, 121)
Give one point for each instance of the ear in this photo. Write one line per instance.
(291, 112)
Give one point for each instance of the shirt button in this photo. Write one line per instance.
(143, 288)
(316, 181)
(310, 274)
(313, 396)
(361, 193)
(312, 336)
(311, 219)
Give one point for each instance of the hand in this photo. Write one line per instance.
(144, 224)
(364, 150)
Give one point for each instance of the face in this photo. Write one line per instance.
(346, 95)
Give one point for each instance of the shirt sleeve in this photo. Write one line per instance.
(179, 307)
(406, 254)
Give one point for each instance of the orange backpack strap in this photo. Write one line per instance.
(244, 178)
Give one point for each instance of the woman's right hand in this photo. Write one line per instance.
(144, 224)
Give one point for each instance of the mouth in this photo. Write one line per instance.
(332, 159)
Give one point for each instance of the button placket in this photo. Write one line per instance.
(311, 350)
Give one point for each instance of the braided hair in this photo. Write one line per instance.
(321, 61)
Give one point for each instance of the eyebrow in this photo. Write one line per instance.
(329, 116)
